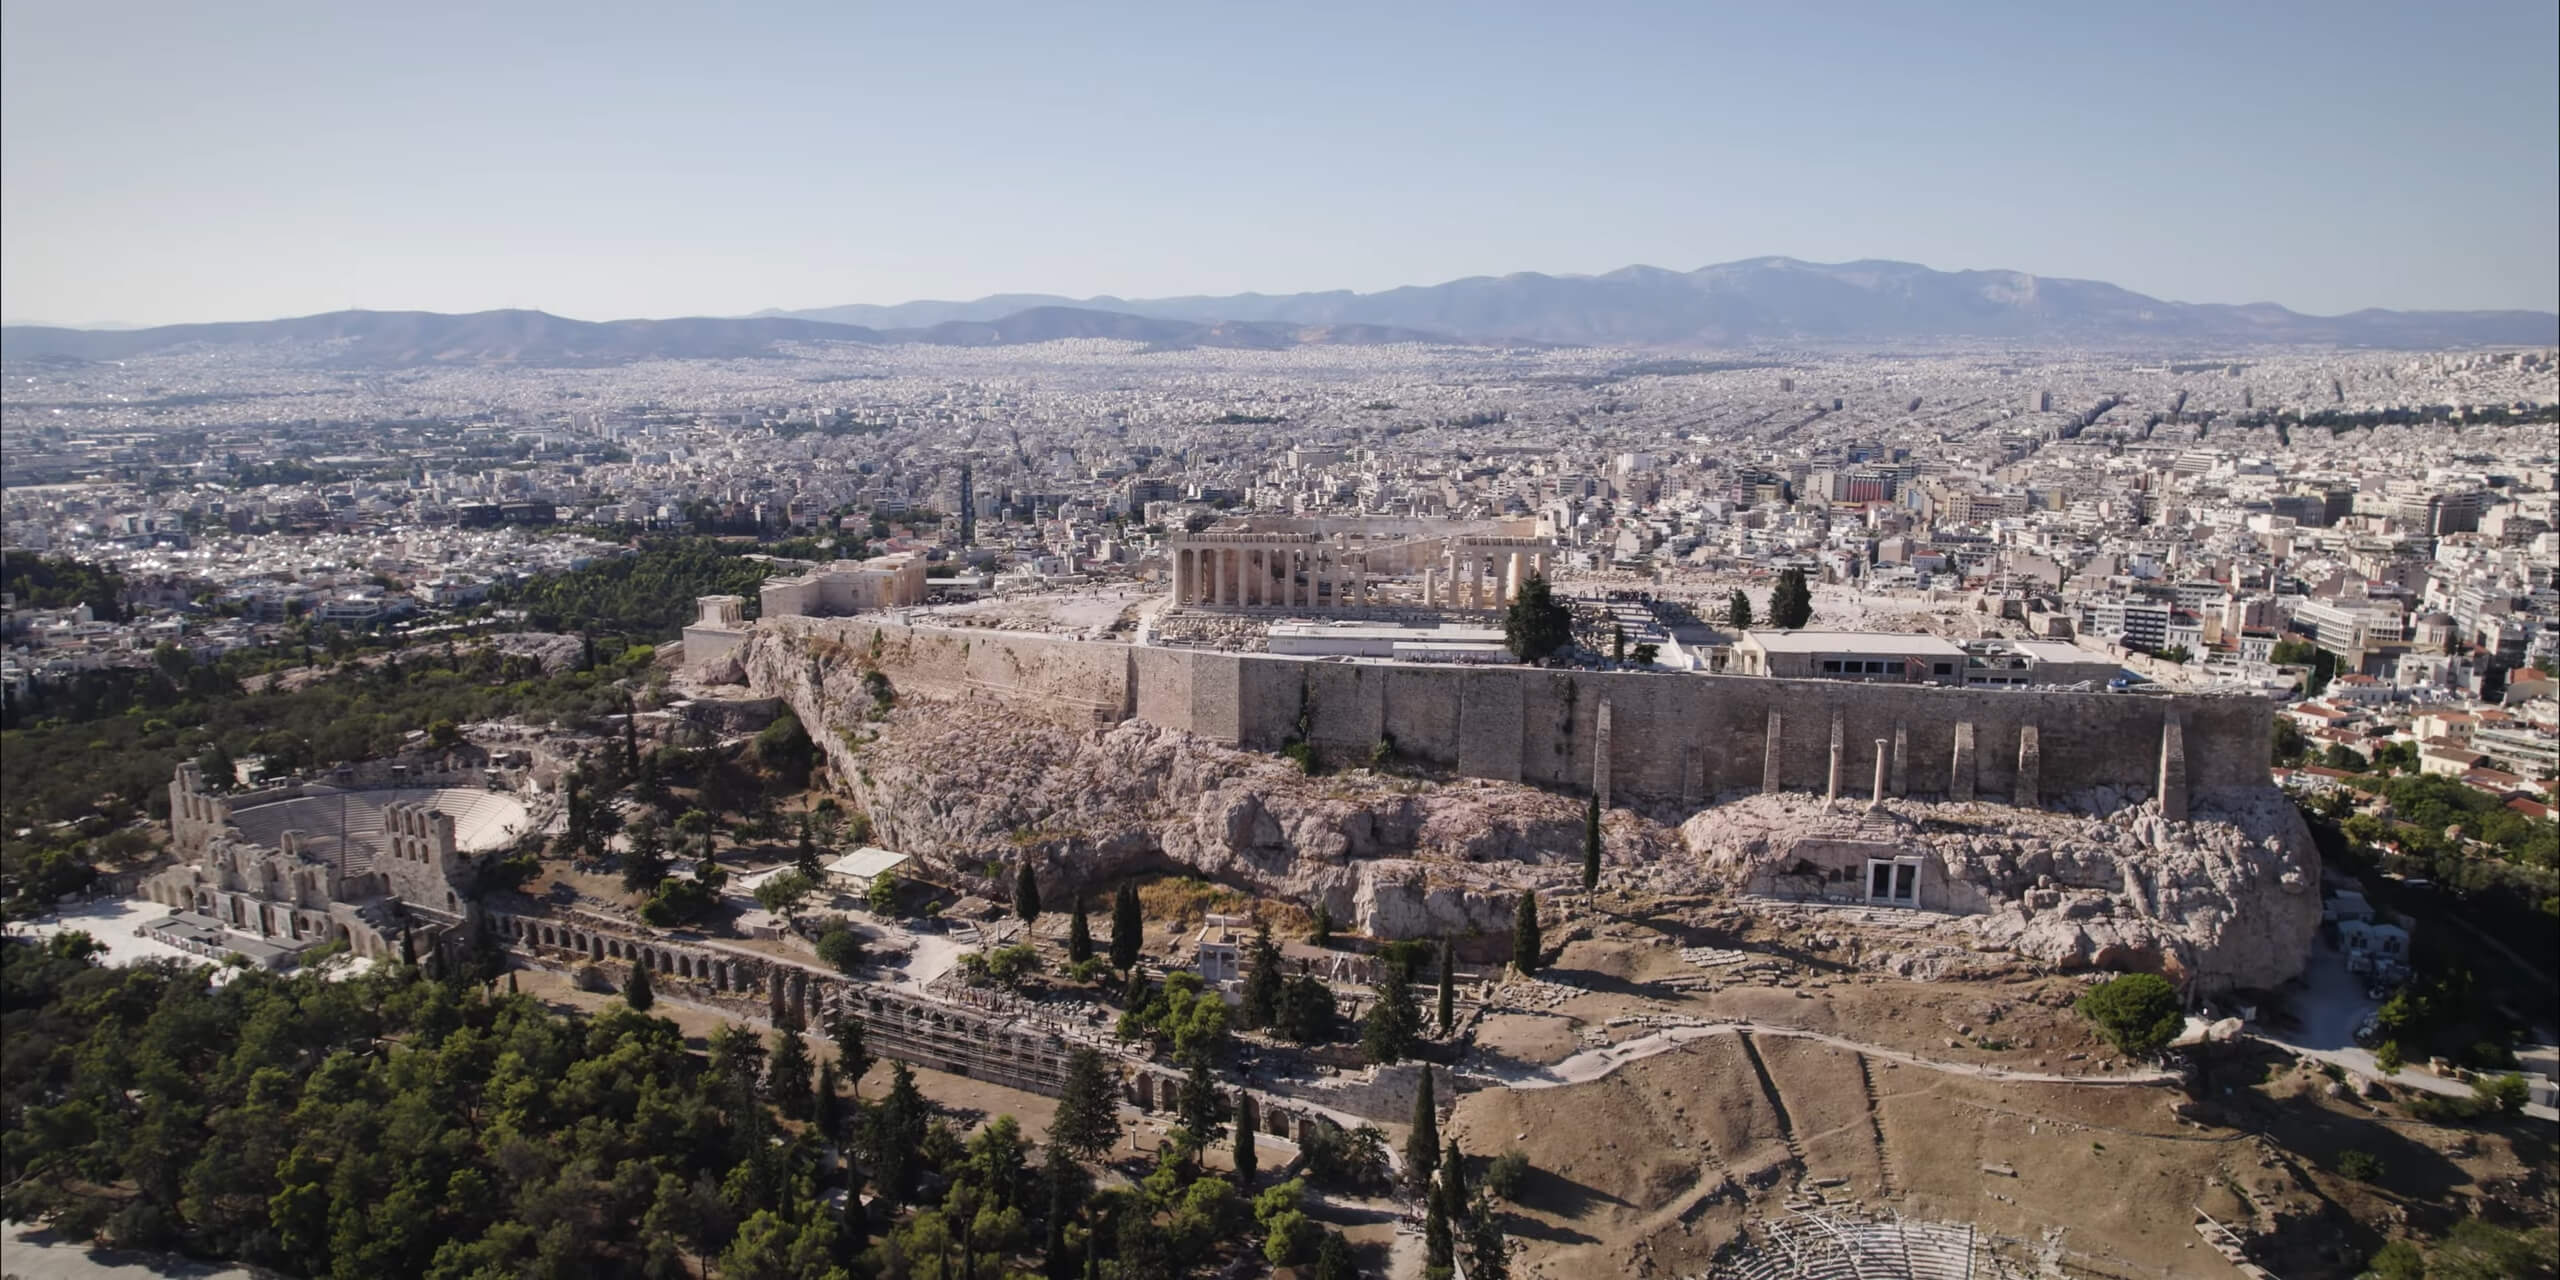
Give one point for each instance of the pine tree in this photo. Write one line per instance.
(1079, 936)
(1791, 603)
(1248, 1121)
(1202, 1107)
(786, 1080)
(639, 993)
(1536, 625)
(1026, 893)
(1422, 1146)
(1127, 927)
(1387, 1031)
(846, 1031)
(1591, 845)
(1262, 981)
(1448, 986)
(1738, 610)
(1525, 940)
(1088, 1117)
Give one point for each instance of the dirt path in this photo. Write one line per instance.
(1594, 1064)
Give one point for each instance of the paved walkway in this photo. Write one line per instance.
(2327, 1011)
(32, 1253)
(1594, 1064)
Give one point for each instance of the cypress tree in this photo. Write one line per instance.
(1453, 1176)
(1321, 931)
(1525, 940)
(807, 860)
(1026, 893)
(1127, 928)
(1079, 936)
(1422, 1146)
(408, 948)
(1439, 1245)
(1448, 986)
(1248, 1119)
(1791, 603)
(1738, 610)
(1262, 981)
(1591, 845)
(639, 993)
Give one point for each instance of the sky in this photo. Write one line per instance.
(171, 162)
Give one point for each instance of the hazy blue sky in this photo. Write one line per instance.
(240, 160)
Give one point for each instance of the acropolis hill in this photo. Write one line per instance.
(2124, 831)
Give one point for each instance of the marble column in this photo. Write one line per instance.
(1875, 799)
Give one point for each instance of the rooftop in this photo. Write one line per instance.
(1866, 642)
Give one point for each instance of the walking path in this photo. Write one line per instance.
(1594, 1064)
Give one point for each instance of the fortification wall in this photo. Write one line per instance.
(1673, 737)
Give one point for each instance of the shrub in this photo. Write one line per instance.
(1503, 1176)
(2138, 1013)
(2363, 1166)
(842, 949)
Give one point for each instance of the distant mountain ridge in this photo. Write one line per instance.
(1761, 300)
(398, 339)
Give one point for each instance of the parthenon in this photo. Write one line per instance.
(1302, 570)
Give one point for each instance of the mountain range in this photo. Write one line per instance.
(401, 339)
(1762, 301)
(1775, 300)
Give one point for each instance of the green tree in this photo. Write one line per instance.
(1422, 1143)
(2138, 1013)
(1536, 624)
(1248, 1123)
(1488, 1249)
(2397, 1260)
(787, 1080)
(1079, 936)
(1526, 941)
(1334, 1259)
(640, 992)
(1263, 981)
(1320, 926)
(644, 864)
(1439, 1244)
(1201, 1106)
(1591, 845)
(1738, 610)
(842, 949)
(1026, 892)
(1088, 1116)
(1308, 1012)
(1791, 603)
(1128, 928)
(1387, 1032)
(784, 892)
(846, 1031)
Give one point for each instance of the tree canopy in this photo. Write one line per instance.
(1536, 625)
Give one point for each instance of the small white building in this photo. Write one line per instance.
(856, 871)
(1219, 953)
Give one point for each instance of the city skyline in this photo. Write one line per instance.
(195, 167)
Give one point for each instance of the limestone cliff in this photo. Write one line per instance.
(2229, 899)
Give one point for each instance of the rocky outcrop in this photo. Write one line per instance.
(965, 782)
(2228, 899)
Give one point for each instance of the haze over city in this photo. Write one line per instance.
(168, 162)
